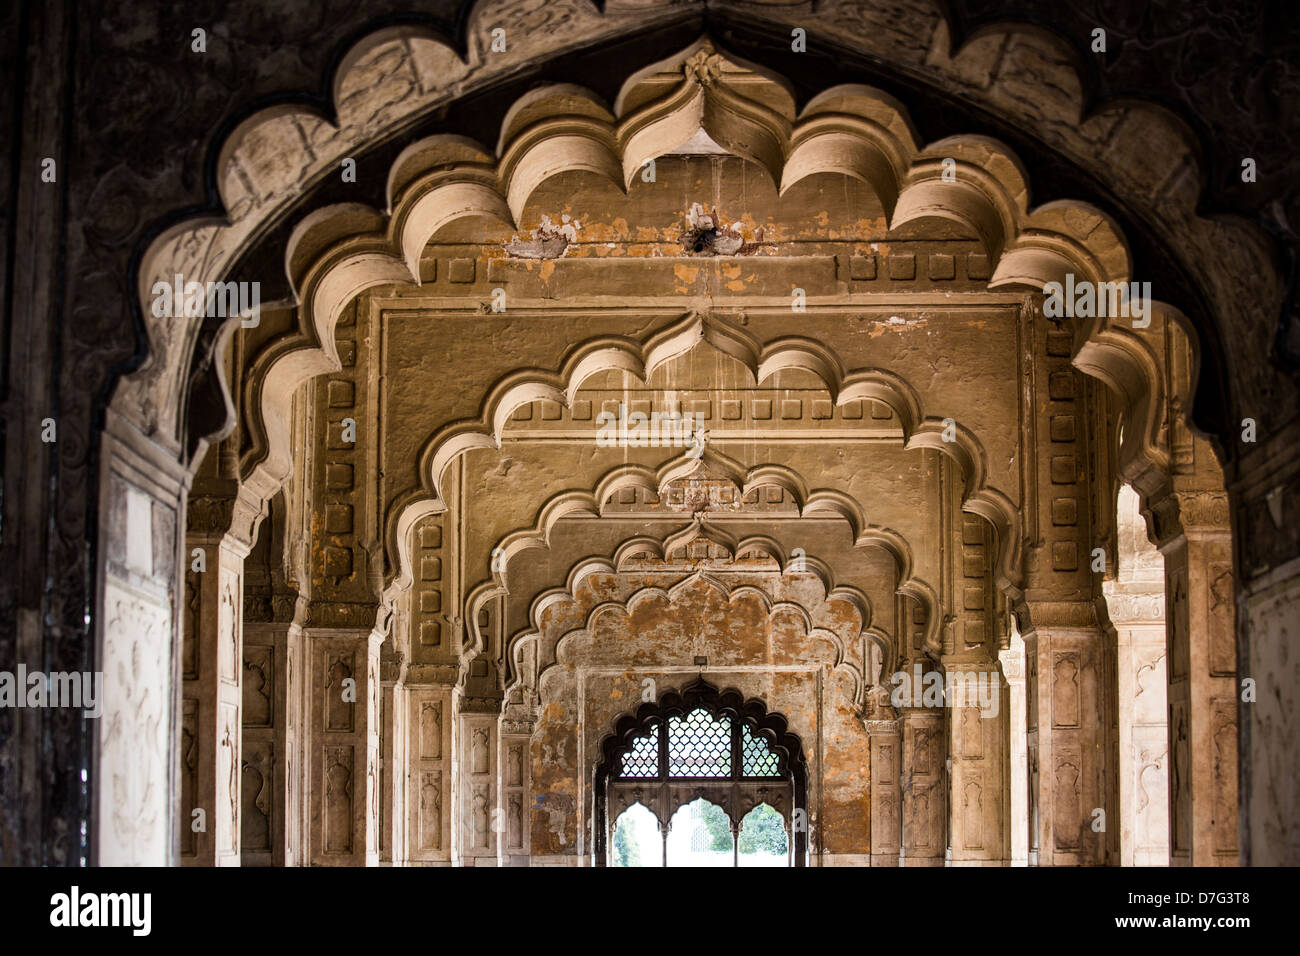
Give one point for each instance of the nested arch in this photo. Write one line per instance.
(255, 185)
(444, 180)
(702, 742)
(821, 504)
(921, 427)
(571, 628)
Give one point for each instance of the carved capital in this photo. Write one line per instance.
(223, 506)
(479, 705)
(1045, 615)
(437, 675)
(342, 614)
(1204, 510)
(1178, 512)
(288, 606)
(392, 664)
(209, 515)
(881, 728)
(1134, 607)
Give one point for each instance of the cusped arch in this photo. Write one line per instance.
(818, 503)
(683, 591)
(259, 164)
(445, 180)
(524, 386)
(772, 728)
(990, 195)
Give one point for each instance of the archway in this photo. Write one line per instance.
(697, 757)
(373, 594)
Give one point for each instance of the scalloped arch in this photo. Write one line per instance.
(260, 165)
(586, 359)
(991, 197)
(854, 130)
(673, 595)
(815, 504)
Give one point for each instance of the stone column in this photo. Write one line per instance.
(395, 741)
(1271, 608)
(344, 748)
(923, 787)
(886, 825)
(222, 523)
(1138, 615)
(979, 771)
(1135, 601)
(1013, 671)
(135, 817)
(428, 801)
(1202, 678)
(479, 820)
(1265, 497)
(513, 788)
(271, 782)
(1069, 740)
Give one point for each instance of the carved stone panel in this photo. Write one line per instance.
(431, 729)
(338, 789)
(1065, 690)
(340, 691)
(258, 784)
(134, 750)
(430, 810)
(189, 775)
(259, 686)
(1067, 799)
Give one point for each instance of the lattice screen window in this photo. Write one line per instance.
(691, 748)
(700, 745)
(756, 757)
(643, 759)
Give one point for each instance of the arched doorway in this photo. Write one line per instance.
(713, 770)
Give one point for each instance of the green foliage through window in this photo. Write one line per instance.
(762, 832)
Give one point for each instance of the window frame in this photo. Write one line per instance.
(735, 793)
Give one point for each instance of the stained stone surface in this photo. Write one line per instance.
(165, 156)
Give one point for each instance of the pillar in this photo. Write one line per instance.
(428, 802)
(479, 820)
(1013, 672)
(222, 520)
(923, 787)
(1143, 731)
(886, 824)
(344, 746)
(140, 628)
(1135, 601)
(271, 781)
(978, 726)
(1068, 735)
(1202, 679)
(394, 757)
(1264, 483)
(513, 786)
